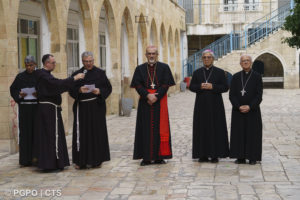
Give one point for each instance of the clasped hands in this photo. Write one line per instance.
(151, 98)
(244, 108)
(84, 89)
(206, 86)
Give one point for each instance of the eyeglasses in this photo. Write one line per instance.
(88, 61)
(206, 57)
(149, 54)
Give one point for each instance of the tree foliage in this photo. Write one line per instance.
(292, 24)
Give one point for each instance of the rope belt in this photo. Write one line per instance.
(56, 124)
(33, 102)
(77, 121)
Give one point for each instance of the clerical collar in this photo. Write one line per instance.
(208, 68)
(247, 72)
(153, 65)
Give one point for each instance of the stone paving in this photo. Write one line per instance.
(276, 178)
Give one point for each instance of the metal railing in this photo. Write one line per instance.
(252, 33)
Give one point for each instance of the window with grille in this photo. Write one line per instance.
(251, 5)
(230, 5)
(72, 50)
(28, 40)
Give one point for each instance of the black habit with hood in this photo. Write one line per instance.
(152, 134)
(246, 128)
(50, 146)
(26, 115)
(210, 137)
(90, 140)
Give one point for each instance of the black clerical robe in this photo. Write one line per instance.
(152, 134)
(26, 115)
(246, 128)
(90, 139)
(49, 136)
(210, 137)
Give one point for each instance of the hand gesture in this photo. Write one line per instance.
(79, 76)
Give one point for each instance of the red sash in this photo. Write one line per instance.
(164, 130)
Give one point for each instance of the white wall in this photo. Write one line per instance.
(140, 46)
(124, 51)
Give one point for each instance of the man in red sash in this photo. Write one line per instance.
(152, 136)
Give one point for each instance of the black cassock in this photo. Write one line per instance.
(246, 128)
(210, 138)
(49, 136)
(152, 134)
(90, 141)
(26, 115)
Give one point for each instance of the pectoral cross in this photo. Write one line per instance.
(152, 85)
(243, 92)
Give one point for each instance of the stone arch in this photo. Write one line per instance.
(128, 47)
(87, 23)
(272, 69)
(274, 53)
(142, 39)
(171, 50)
(111, 39)
(163, 51)
(52, 16)
(153, 33)
(177, 57)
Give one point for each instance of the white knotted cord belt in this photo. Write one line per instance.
(77, 121)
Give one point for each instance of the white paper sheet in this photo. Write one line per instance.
(29, 92)
(90, 87)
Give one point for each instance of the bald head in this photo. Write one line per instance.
(151, 47)
(246, 62)
(151, 54)
(245, 56)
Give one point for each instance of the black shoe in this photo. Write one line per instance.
(145, 162)
(160, 162)
(240, 161)
(52, 170)
(214, 160)
(97, 166)
(203, 159)
(252, 162)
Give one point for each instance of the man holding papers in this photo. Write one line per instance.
(90, 141)
(23, 92)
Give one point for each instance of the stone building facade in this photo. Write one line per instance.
(209, 20)
(117, 32)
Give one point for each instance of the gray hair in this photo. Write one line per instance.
(29, 59)
(208, 51)
(246, 55)
(87, 54)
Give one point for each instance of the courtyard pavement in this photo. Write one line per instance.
(277, 177)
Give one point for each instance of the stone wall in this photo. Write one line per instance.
(171, 23)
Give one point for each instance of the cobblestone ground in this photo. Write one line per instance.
(276, 178)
